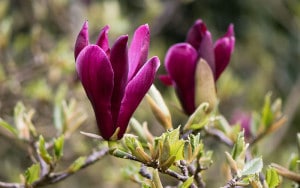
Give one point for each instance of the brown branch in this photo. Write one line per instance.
(272, 128)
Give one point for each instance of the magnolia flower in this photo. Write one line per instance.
(115, 79)
(182, 58)
(244, 120)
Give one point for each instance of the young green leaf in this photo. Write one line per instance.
(77, 164)
(164, 150)
(8, 127)
(58, 147)
(187, 183)
(176, 144)
(199, 118)
(252, 167)
(239, 146)
(42, 151)
(272, 178)
(267, 114)
(32, 173)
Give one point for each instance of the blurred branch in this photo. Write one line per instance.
(286, 173)
(272, 128)
(219, 135)
(11, 185)
(52, 178)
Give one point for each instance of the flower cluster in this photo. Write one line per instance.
(116, 79)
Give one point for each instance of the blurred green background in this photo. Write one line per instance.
(36, 57)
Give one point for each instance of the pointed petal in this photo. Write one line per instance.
(166, 79)
(138, 50)
(96, 75)
(206, 50)
(82, 39)
(119, 62)
(135, 91)
(195, 33)
(103, 41)
(223, 49)
(180, 63)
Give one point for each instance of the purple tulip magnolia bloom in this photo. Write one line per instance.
(115, 79)
(181, 61)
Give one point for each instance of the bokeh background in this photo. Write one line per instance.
(36, 58)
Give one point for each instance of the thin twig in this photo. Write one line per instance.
(231, 183)
(272, 128)
(220, 135)
(59, 176)
(11, 185)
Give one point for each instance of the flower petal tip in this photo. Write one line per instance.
(82, 39)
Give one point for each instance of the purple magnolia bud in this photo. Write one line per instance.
(244, 120)
(182, 58)
(115, 79)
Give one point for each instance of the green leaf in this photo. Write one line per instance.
(238, 146)
(58, 147)
(252, 167)
(272, 178)
(187, 183)
(32, 173)
(267, 114)
(293, 162)
(156, 180)
(77, 164)
(43, 151)
(144, 185)
(164, 151)
(176, 145)
(199, 118)
(8, 127)
(132, 143)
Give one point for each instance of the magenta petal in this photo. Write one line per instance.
(96, 75)
(206, 50)
(223, 50)
(135, 91)
(119, 62)
(196, 33)
(138, 50)
(166, 79)
(180, 63)
(103, 41)
(82, 39)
